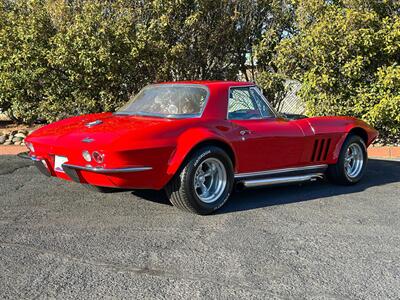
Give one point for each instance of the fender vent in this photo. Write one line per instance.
(320, 149)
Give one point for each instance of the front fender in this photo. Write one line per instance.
(355, 126)
(188, 141)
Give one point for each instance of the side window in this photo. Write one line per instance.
(246, 103)
(265, 110)
(241, 105)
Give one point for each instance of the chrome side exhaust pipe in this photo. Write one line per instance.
(250, 183)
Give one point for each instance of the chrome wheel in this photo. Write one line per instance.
(210, 180)
(354, 160)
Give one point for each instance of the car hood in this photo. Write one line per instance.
(102, 129)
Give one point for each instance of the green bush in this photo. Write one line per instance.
(347, 59)
(61, 58)
(380, 103)
(25, 32)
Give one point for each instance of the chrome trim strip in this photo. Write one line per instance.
(94, 123)
(279, 171)
(104, 171)
(281, 180)
(41, 164)
(87, 140)
(25, 155)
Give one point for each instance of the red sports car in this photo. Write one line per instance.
(197, 140)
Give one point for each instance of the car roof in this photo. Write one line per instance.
(216, 106)
(213, 83)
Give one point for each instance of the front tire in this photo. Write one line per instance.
(204, 183)
(352, 162)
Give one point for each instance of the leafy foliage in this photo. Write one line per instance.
(347, 56)
(60, 58)
(25, 31)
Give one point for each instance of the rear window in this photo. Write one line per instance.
(168, 100)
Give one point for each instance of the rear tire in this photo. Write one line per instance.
(352, 162)
(204, 183)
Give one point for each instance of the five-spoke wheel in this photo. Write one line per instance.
(354, 160)
(210, 180)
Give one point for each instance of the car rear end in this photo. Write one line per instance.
(101, 166)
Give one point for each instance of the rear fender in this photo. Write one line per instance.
(188, 141)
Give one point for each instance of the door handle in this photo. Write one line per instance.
(244, 132)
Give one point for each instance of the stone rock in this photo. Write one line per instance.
(2, 139)
(17, 139)
(8, 143)
(14, 132)
(23, 131)
(20, 134)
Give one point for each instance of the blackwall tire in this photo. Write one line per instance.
(204, 183)
(352, 162)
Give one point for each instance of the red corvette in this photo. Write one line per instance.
(197, 140)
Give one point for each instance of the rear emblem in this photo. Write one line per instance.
(87, 140)
(94, 123)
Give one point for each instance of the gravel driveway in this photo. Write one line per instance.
(317, 241)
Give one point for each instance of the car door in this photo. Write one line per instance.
(261, 139)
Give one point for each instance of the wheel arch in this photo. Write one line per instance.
(178, 160)
(356, 130)
(360, 132)
(217, 143)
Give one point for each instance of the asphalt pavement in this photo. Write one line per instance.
(315, 241)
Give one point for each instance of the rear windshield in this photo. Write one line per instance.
(167, 100)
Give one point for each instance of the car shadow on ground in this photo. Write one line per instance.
(379, 172)
(153, 196)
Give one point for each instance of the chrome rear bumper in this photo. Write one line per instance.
(41, 164)
(70, 170)
(24, 155)
(104, 170)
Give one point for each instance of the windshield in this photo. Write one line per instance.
(167, 100)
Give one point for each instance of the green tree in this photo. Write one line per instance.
(206, 39)
(346, 55)
(100, 54)
(72, 57)
(277, 24)
(25, 30)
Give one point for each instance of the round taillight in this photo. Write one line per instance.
(98, 157)
(86, 156)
